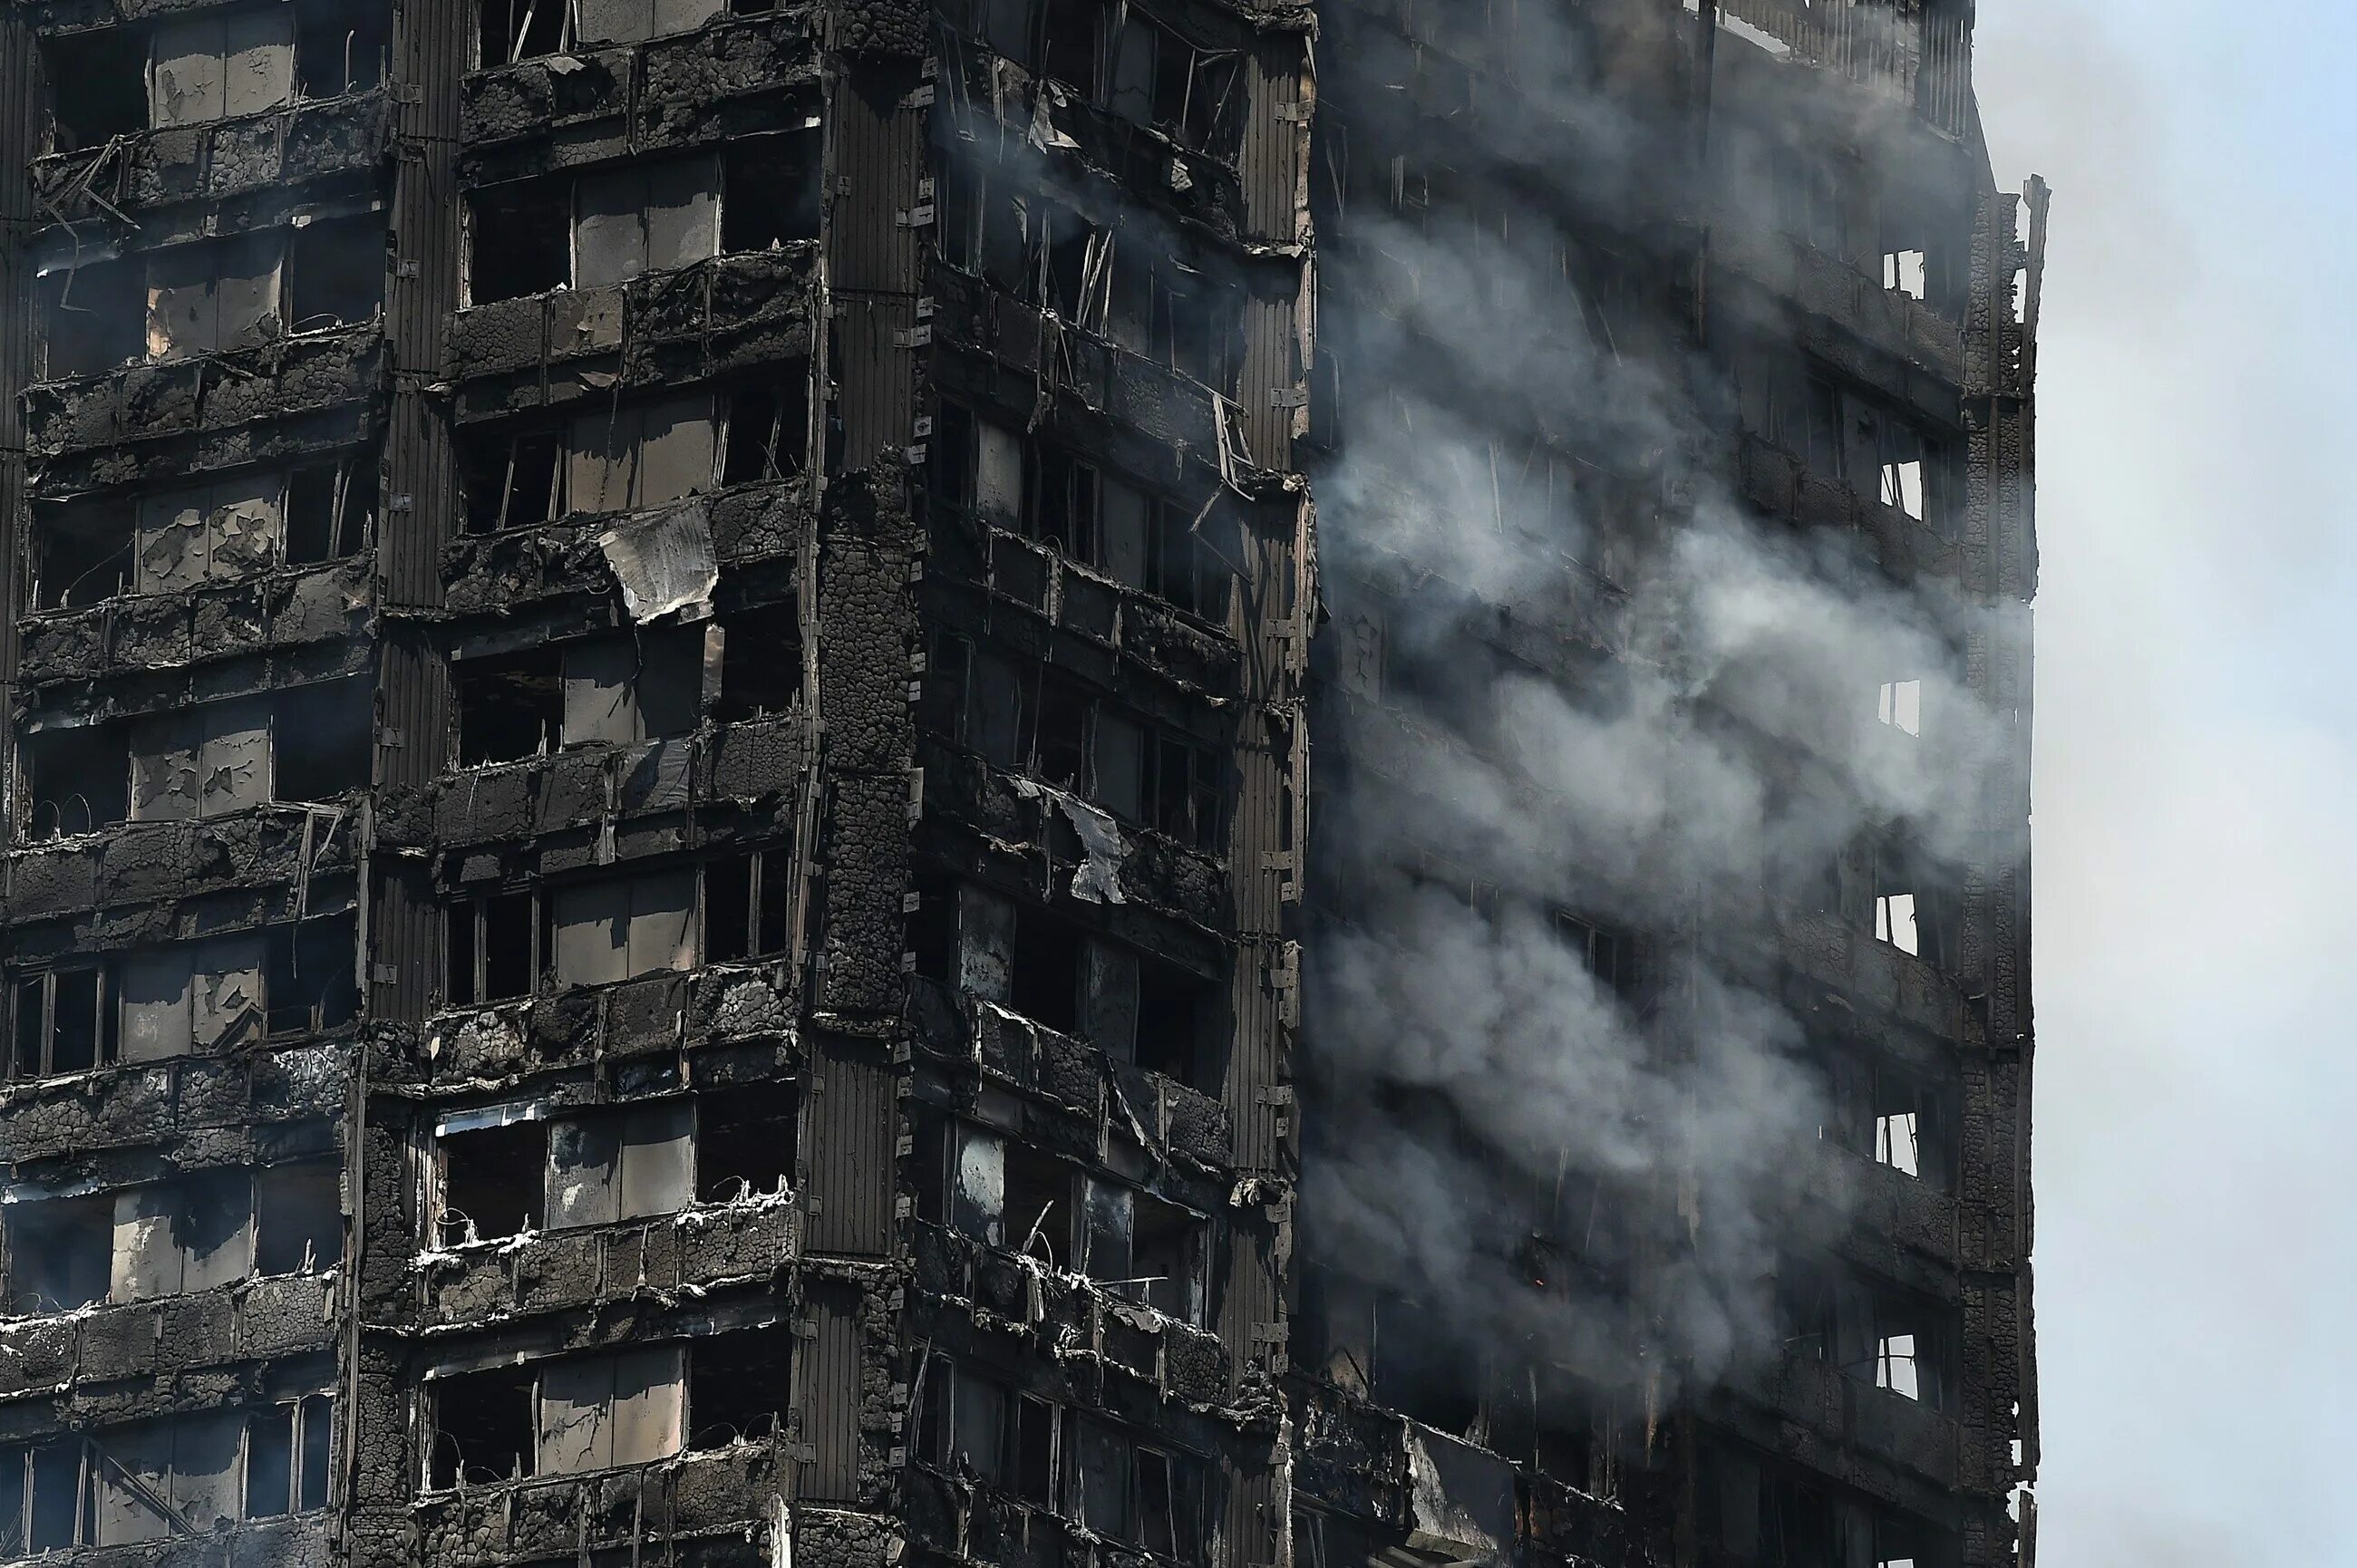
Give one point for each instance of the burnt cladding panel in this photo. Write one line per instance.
(829, 1397)
(429, 57)
(875, 376)
(876, 157)
(855, 1129)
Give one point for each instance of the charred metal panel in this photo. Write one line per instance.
(830, 1395)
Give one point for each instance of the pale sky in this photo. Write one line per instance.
(2196, 774)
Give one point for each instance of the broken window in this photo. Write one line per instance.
(287, 1447)
(1143, 1248)
(772, 188)
(311, 982)
(760, 662)
(334, 273)
(1044, 985)
(1915, 1130)
(521, 237)
(60, 1252)
(511, 480)
(746, 1139)
(1161, 80)
(196, 998)
(1899, 705)
(80, 555)
(213, 69)
(628, 1163)
(1177, 1017)
(1009, 1194)
(1193, 561)
(76, 778)
(1915, 909)
(769, 428)
(974, 1427)
(1609, 955)
(492, 948)
(739, 1385)
(97, 87)
(644, 217)
(510, 707)
(1546, 1418)
(91, 313)
(331, 510)
(1808, 196)
(298, 1224)
(321, 740)
(614, 930)
(1174, 314)
(484, 1429)
(494, 1177)
(747, 904)
(65, 1021)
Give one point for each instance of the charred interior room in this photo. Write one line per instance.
(1069, 783)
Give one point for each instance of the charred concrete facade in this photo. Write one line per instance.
(673, 689)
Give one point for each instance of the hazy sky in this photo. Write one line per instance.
(2196, 776)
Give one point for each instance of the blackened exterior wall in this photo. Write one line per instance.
(661, 894)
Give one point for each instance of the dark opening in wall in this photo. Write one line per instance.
(739, 1386)
(334, 273)
(310, 983)
(746, 1139)
(1053, 727)
(493, 948)
(340, 47)
(747, 904)
(522, 239)
(60, 1254)
(331, 510)
(770, 188)
(78, 779)
(494, 1181)
(94, 317)
(512, 30)
(298, 1225)
(510, 479)
(768, 427)
(321, 740)
(287, 1451)
(65, 1021)
(760, 662)
(97, 86)
(81, 554)
(1071, 41)
(483, 1431)
(510, 707)
(1173, 1010)
(1045, 981)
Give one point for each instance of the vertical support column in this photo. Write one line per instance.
(19, 112)
(1998, 572)
(1266, 852)
(418, 475)
(867, 551)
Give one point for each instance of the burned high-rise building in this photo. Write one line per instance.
(1054, 782)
